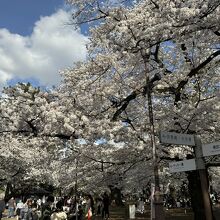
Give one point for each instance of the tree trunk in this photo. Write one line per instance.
(8, 191)
(195, 193)
(116, 195)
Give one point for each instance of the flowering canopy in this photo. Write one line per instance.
(171, 48)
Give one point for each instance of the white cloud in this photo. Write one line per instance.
(53, 45)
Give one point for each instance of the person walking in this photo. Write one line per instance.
(2, 207)
(11, 207)
(47, 208)
(19, 208)
(89, 209)
(28, 215)
(106, 203)
(34, 208)
(80, 213)
(99, 206)
(59, 214)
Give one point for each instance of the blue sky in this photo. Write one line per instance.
(36, 42)
(19, 16)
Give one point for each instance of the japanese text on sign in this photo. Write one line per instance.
(211, 149)
(181, 166)
(176, 138)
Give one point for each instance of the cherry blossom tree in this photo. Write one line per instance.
(141, 55)
(33, 130)
(168, 48)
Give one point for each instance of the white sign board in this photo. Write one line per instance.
(211, 149)
(176, 138)
(181, 166)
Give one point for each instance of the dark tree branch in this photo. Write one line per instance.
(158, 61)
(195, 71)
(64, 136)
(155, 4)
(217, 33)
(135, 162)
(18, 172)
(33, 128)
(178, 91)
(186, 55)
(124, 103)
(27, 132)
(143, 91)
(213, 164)
(170, 158)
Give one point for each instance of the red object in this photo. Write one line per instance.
(89, 214)
(89, 217)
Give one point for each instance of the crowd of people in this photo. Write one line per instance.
(57, 208)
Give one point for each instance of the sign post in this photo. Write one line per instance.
(182, 166)
(192, 164)
(211, 149)
(203, 178)
(176, 138)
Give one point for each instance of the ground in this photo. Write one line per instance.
(121, 213)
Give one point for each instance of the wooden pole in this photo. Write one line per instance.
(203, 178)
